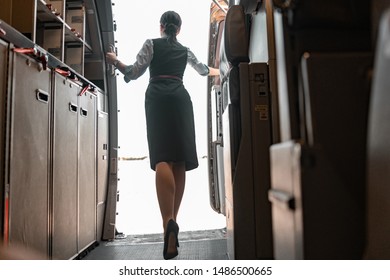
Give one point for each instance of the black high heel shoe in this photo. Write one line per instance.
(172, 227)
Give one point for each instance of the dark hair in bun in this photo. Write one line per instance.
(171, 21)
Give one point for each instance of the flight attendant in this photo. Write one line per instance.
(169, 117)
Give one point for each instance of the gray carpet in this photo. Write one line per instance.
(194, 245)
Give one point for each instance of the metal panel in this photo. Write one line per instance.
(259, 107)
(314, 215)
(328, 170)
(216, 180)
(102, 169)
(87, 170)
(378, 171)
(252, 224)
(286, 200)
(228, 181)
(314, 28)
(65, 169)
(29, 155)
(3, 97)
(110, 89)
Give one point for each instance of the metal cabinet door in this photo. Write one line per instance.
(65, 158)
(87, 170)
(285, 196)
(3, 96)
(102, 169)
(29, 155)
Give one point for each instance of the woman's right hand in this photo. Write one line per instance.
(213, 71)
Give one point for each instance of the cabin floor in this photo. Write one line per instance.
(194, 245)
(202, 233)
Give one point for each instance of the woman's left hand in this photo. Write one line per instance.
(111, 57)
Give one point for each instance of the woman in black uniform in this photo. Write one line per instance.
(169, 117)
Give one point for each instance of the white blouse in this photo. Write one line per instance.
(145, 55)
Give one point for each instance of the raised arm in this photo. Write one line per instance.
(134, 71)
(201, 68)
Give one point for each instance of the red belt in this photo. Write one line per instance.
(165, 77)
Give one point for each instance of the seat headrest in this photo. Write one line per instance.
(250, 6)
(236, 35)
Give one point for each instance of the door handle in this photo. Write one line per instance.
(84, 112)
(72, 107)
(281, 198)
(42, 96)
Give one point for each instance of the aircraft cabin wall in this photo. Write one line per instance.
(55, 126)
(3, 90)
(319, 72)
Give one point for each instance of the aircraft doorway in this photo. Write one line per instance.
(137, 209)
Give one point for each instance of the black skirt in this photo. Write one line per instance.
(170, 123)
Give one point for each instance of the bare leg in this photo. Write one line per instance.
(165, 187)
(179, 173)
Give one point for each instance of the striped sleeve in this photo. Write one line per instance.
(201, 68)
(143, 59)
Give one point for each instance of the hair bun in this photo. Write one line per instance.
(171, 22)
(171, 25)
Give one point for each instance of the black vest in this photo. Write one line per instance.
(168, 59)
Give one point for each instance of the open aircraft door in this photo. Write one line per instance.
(214, 111)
